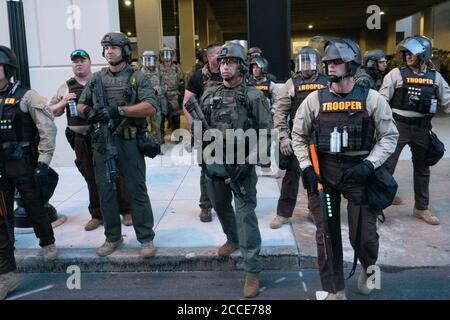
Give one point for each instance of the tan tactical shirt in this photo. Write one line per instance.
(36, 106)
(394, 80)
(282, 107)
(386, 132)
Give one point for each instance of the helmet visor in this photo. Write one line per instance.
(167, 55)
(306, 62)
(149, 61)
(413, 46)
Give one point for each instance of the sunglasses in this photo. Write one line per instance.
(335, 62)
(80, 53)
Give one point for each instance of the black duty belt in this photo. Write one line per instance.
(341, 158)
(423, 122)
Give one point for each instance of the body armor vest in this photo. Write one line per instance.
(170, 79)
(349, 116)
(154, 78)
(263, 86)
(15, 125)
(302, 90)
(120, 90)
(419, 93)
(207, 79)
(228, 109)
(77, 88)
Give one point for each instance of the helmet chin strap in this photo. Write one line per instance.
(117, 62)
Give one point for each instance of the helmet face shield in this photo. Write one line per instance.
(149, 61)
(413, 46)
(167, 54)
(306, 62)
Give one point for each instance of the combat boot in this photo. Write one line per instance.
(93, 224)
(362, 284)
(8, 283)
(340, 295)
(205, 215)
(426, 216)
(148, 249)
(251, 287)
(109, 247)
(227, 248)
(50, 253)
(278, 221)
(397, 201)
(127, 220)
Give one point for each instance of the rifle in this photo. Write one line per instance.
(197, 114)
(326, 213)
(104, 131)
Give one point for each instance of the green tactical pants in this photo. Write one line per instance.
(240, 226)
(132, 164)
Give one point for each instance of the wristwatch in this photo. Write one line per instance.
(121, 111)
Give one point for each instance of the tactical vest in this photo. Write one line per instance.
(228, 109)
(207, 78)
(419, 93)
(349, 113)
(77, 88)
(120, 90)
(16, 125)
(263, 86)
(302, 90)
(170, 79)
(153, 76)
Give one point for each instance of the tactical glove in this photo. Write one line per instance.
(89, 114)
(286, 147)
(102, 116)
(359, 173)
(310, 179)
(41, 174)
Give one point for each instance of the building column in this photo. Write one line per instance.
(149, 30)
(202, 23)
(187, 33)
(274, 17)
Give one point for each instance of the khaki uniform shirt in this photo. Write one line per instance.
(394, 80)
(36, 106)
(386, 132)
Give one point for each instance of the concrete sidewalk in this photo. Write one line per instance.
(185, 243)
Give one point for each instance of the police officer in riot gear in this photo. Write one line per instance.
(149, 68)
(172, 81)
(27, 143)
(306, 80)
(414, 92)
(371, 72)
(233, 105)
(119, 125)
(345, 163)
(258, 77)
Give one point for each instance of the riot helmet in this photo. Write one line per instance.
(344, 50)
(417, 45)
(149, 59)
(372, 57)
(234, 50)
(262, 63)
(117, 39)
(9, 61)
(307, 59)
(166, 54)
